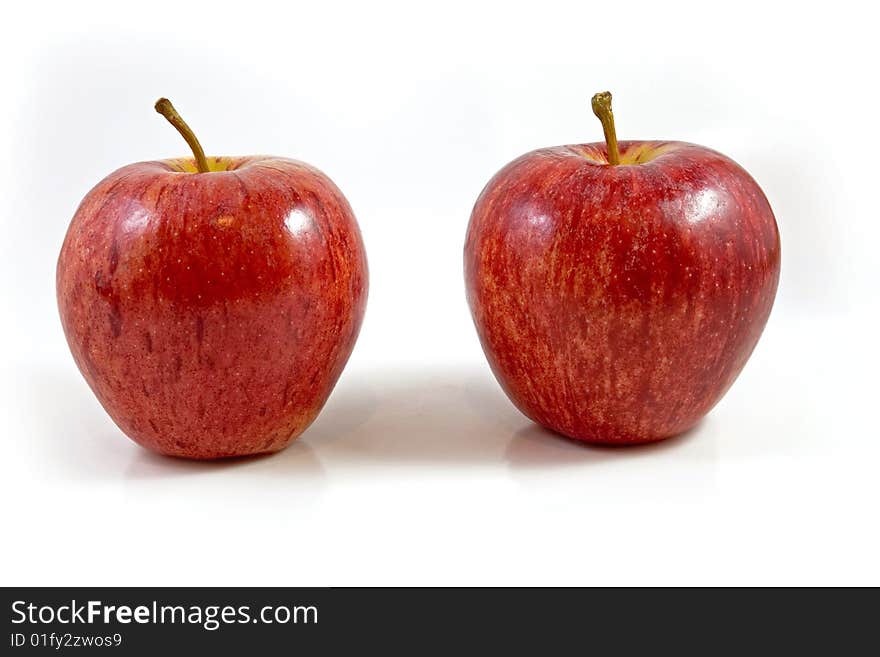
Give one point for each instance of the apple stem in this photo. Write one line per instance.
(166, 109)
(602, 109)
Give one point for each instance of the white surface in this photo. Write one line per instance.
(419, 471)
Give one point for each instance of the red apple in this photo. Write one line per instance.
(618, 291)
(212, 303)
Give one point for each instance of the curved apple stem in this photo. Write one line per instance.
(602, 109)
(166, 109)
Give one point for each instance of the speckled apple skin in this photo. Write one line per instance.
(617, 304)
(213, 313)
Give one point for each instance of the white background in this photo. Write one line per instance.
(419, 471)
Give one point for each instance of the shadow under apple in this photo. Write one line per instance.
(298, 462)
(453, 416)
(535, 447)
(456, 416)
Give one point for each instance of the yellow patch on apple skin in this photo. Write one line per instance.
(630, 153)
(641, 153)
(225, 221)
(188, 164)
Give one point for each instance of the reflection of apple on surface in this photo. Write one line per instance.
(618, 290)
(212, 303)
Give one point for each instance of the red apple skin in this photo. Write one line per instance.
(617, 304)
(212, 313)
